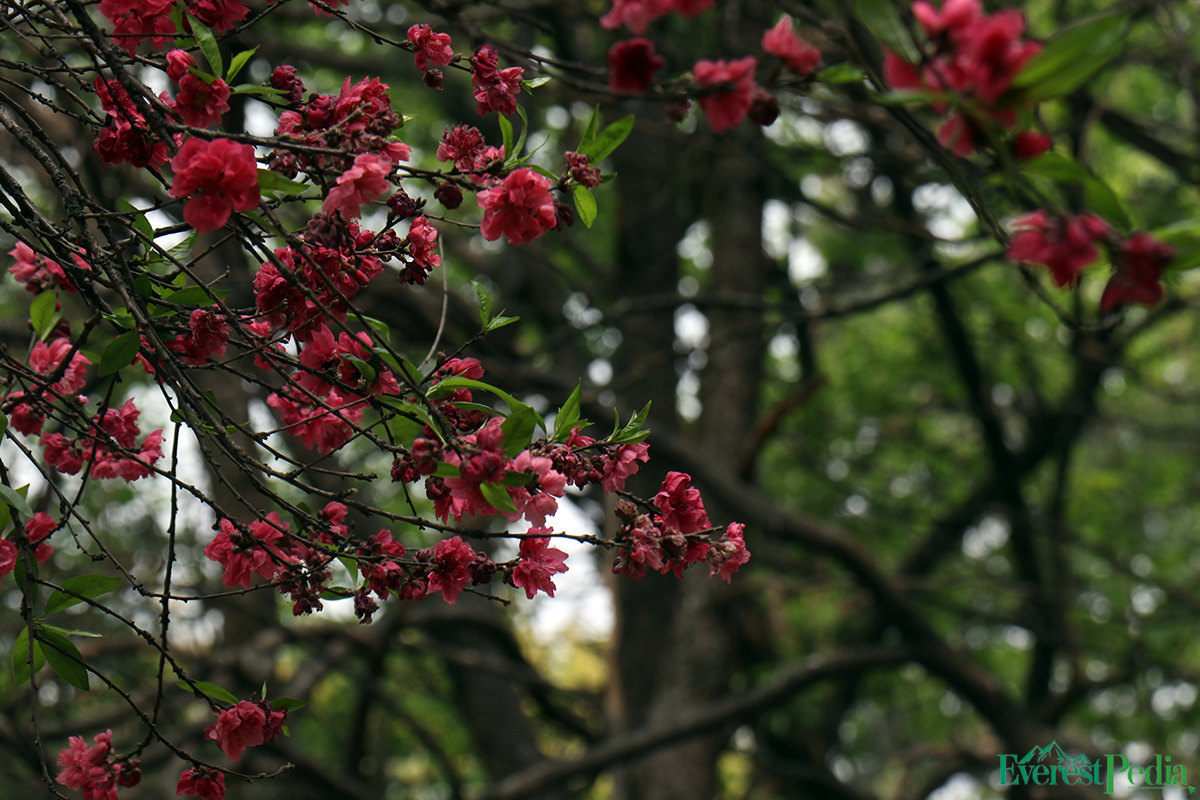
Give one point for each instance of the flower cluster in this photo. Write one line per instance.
(198, 103)
(495, 89)
(359, 120)
(735, 90)
(783, 43)
(973, 55)
(677, 536)
(247, 724)
(39, 273)
(37, 529)
(109, 449)
(207, 784)
(208, 336)
(127, 140)
(1067, 245)
(92, 769)
(520, 207)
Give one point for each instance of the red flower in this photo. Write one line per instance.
(88, 768)
(429, 47)
(634, 14)
(207, 784)
(1028, 145)
(782, 42)
(246, 725)
(461, 144)
(220, 15)
(1064, 246)
(36, 531)
(8, 559)
(208, 337)
(538, 565)
(201, 104)
(680, 505)
(520, 208)
(422, 249)
(45, 359)
(727, 107)
(632, 64)
(1141, 260)
(729, 553)
(362, 183)
(220, 177)
(691, 8)
(451, 568)
(495, 89)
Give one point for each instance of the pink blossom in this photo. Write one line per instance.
(134, 21)
(362, 183)
(39, 273)
(61, 453)
(680, 504)
(727, 107)
(495, 89)
(8, 557)
(783, 43)
(1064, 246)
(632, 64)
(220, 177)
(200, 104)
(243, 554)
(207, 784)
(422, 248)
(429, 47)
(538, 565)
(88, 768)
(520, 208)
(1140, 262)
(220, 15)
(634, 14)
(451, 571)
(1028, 145)
(179, 63)
(37, 530)
(461, 144)
(246, 725)
(208, 337)
(621, 464)
(45, 359)
(728, 553)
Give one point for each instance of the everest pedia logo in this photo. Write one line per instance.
(1051, 766)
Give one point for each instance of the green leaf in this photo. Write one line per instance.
(567, 417)
(608, 139)
(585, 204)
(253, 88)
(71, 631)
(518, 429)
(1184, 237)
(1098, 195)
(411, 409)
(21, 657)
(589, 133)
(208, 45)
(632, 431)
(64, 658)
(119, 353)
(44, 314)
(288, 703)
(534, 83)
(25, 563)
(545, 173)
(485, 303)
(519, 147)
(499, 321)
(140, 223)
(506, 131)
(191, 296)
(239, 61)
(1072, 56)
(1101, 198)
(210, 690)
(16, 500)
(494, 493)
(336, 593)
(86, 585)
(1056, 167)
(882, 19)
(3, 423)
(382, 331)
(275, 184)
(446, 470)
(841, 73)
(445, 387)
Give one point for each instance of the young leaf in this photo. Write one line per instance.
(64, 658)
(506, 131)
(3, 423)
(16, 500)
(44, 314)
(1072, 56)
(608, 139)
(210, 690)
(208, 45)
(366, 370)
(841, 73)
(499, 322)
(567, 417)
(119, 353)
(21, 657)
(239, 61)
(882, 19)
(288, 703)
(485, 303)
(275, 184)
(585, 204)
(85, 585)
(499, 498)
(518, 429)
(589, 133)
(253, 88)
(519, 147)
(381, 329)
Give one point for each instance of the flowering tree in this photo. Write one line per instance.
(320, 446)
